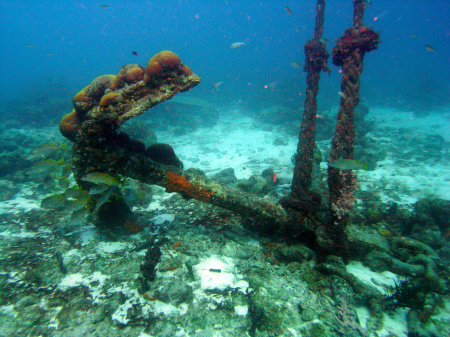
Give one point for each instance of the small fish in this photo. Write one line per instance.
(75, 205)
(99, 188)
(61, 265)
(54, 201)
(45, 150)
(31, 46)
(130, 197)
(340, 93)
(63, 182)
(317, 154)
(105, 6)
(324, 40)
(274, 177)
(217, 84)
(190, 271)
(295, 64)
(271, 85)
(348, 164)
(80, 214)
(213, 270)
(413, 36)
(45, 165)
(134, 52)
(104, 197)
(236, 45)
(75, 192)
(288, 10)
(429, 48)
(48, 54)
(381, 15)
(66, 171)
(101, 178)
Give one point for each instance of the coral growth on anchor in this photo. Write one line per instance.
(130, 93)
(177, 183)
(69, 125)
(163, 65)
(85, 99)
(128, 74)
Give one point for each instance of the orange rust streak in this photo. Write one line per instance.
(179, 184)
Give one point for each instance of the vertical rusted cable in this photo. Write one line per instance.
(320, 18)
(349, 53)
(358, 13)
(316, 58)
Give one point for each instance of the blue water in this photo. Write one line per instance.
(86, 41)
(50, 50)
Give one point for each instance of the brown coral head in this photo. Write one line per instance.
(128, 74)
(84, 100)
(70, 125)
(162, 65)
(98, 86)
(186, 70)
(110, 99)
(81, 101)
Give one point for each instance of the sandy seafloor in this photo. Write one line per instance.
(99, 295)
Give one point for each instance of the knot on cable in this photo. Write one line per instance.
(356, 39)
(316, 56)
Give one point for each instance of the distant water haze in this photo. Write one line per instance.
(86, 39)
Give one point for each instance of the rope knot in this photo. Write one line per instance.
(361, 40)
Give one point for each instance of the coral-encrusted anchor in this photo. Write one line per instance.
(177, 183)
